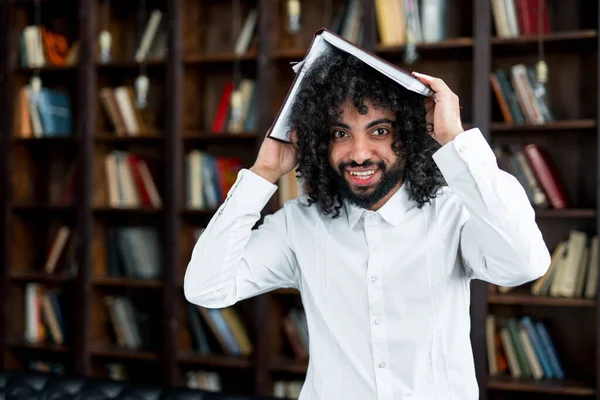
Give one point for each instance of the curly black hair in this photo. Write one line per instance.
(338, 77)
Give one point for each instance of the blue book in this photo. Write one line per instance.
(539, 347)
(551, 350)
(54, 108)
(223, 329)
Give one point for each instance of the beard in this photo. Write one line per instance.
(366, 197)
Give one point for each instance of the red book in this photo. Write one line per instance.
(139, 182)
(527, 16)
(222, 109)
(547, 175)
(227, 171)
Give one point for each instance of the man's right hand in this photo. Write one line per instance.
(275, 159)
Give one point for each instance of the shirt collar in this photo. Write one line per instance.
(392, 211)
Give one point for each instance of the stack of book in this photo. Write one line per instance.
(521, 348)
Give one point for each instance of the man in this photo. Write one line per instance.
(402, 208)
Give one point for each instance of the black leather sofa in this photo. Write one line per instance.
(24, 385)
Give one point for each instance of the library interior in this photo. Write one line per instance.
(130, 121)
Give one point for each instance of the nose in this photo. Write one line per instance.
(361, 149)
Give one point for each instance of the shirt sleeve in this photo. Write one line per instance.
(231, 261)
(500, 241)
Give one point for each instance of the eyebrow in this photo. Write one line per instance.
(369, 125)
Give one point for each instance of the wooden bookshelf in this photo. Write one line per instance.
(567, 388)
(185, 89)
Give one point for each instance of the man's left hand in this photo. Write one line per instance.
(444, 112)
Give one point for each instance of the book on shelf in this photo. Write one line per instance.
(287, 389)
(204, 380)
(40, 47)
(247, 33)
(130, 181)
(534, 168)
(116, 371)
(323, 42)
(44, 319)
(219, 330)
(46, 366)
(521, 97)
(573, 270)
(125, 117)
(209, 178)
(130, 323)
(347, 21)
(296, 330)
(153, 42)
(521, 348)
(236, 108)
(513, 18)
(62, 249)
(134, 252)
(43, 113)
(420, 21)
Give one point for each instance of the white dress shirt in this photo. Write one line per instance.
(386, 293)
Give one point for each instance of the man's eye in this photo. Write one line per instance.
(380, 131)
(339, 134)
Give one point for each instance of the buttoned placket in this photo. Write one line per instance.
(378, 330)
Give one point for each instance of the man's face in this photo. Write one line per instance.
(360, 151)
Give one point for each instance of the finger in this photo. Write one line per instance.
(437, 84)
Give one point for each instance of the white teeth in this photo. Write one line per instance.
(362, 174)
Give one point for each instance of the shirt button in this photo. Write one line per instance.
(382, 365)
(372, 217)
(377, 321)
(373, 278)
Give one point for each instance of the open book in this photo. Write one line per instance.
(323, 41)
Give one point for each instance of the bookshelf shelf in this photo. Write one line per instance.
(141, 139)
(46, 68)
(289, 365)
(567, 36)
(116, 353)
(127, 282)
(528, 299)
(192, 138)
(125, 210)
(566, 387)
(566, 213)
(457, 43)
(568, 125)
(46, 141)
(56, 279)
(197, 212)
(219, 58)
(39, 208)
(576, 41)
(188, 358)
(130, 65)
(40, 347)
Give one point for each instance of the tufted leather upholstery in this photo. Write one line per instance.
(25, 385)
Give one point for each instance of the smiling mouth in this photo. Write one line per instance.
(362, 174)
(362, 178)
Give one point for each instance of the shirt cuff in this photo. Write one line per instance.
(467, 152)
(255, 191)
